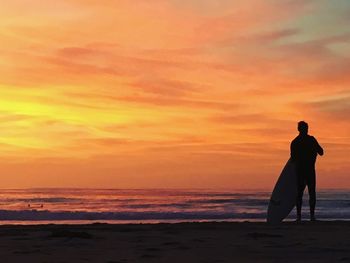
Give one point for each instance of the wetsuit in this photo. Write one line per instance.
(304, 150)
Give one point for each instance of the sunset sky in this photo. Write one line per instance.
(170, 93)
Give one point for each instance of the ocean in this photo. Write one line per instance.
(37, 206)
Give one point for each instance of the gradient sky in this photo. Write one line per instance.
(170, 93)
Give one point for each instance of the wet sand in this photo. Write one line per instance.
(182, 242)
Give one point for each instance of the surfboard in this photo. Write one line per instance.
(284, 194)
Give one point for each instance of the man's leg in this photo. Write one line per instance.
(301, 187)
(311, 186)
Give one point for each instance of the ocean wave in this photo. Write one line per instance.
(239, 201)
(42, 200)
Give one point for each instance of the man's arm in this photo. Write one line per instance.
(319, 149)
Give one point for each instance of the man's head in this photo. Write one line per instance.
(303, 127)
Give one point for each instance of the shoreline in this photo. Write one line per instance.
(10, 222)
(154, 222)
(320, 241)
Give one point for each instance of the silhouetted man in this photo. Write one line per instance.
(304, 149)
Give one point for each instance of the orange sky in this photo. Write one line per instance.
(170, 93)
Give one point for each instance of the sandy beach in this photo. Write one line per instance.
(182, 242)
